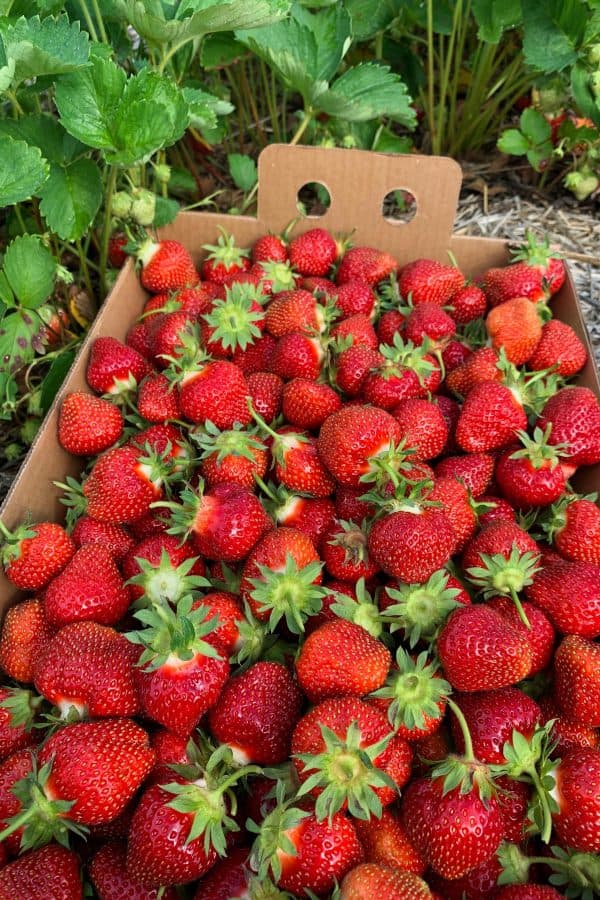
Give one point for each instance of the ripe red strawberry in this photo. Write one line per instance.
(527, 892)
(479, 650)
(574, 528)
(296, 355)
(412, 543)
(468, 303)
(156, 400)
(52, 871)
(113, 538)
(352, 367)
(540, 635)
(13, 770)
(307, 403)
(166, 266)
(237, 320)
(18, 710)
(138, 338)
(291, 311)
(475, 470)
(90, 588)
(364, 432)
(538, 255)
(234, 456)
(568, 734)
(365, 264)
(577, 679)
(490, 418)
(265, 390)
(256, 714)
(574, 413)
(25, 632)
(114, 368)
(388, 843)
(356, 330)
(344, 552)
(428, 321)
(519, 279)
(314, 252)
(370, 881)
(570, 593)
(492, 716)
(88, 668)
(226, 607)
(297, 463)
(257, 356)
(229, 878)
(480, 366)
(454, 354)
(429, 281)
(320, 664)
(216, 391)
(577, 793)
(478, 884)
(180, 672)
(422, 427)
(407, 371)
(516, 328)
(313, 516)
(529, 474)
(167, 335)
(319, 286)
(559, 348)
(420, 609)
(224, 259)
(33, 555)
(116, 253)
(169, 749)
(355, 297)
(108, 874)
(269, 248)
(390, 323)
(87, 425)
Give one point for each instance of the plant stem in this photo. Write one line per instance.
(456, 19)
(103, 33)
(84, 269)
(20, 219)
(110, 189)
(379, 45)
(430, 78)
(462, 722)
(88, 20)
(271, 100)
(308, 114)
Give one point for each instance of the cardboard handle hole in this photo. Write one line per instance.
(313, 200)
(399, 207)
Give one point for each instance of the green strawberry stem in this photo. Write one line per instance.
(414, 691)
(468, 755)
(499, 575)
(574, 869)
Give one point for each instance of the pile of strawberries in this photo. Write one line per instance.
(323, 620)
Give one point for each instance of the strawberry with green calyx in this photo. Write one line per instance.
(572, 524)
(364, 431)
(506, 576)
(361, 609)
(255, 640)
(289, 593)
(407, 371)
(166, 266)
(531, 475)
(224, 259)
(179, 829)
(234, 455)
(108, 874)
(292, 509)
(574, 413)
(414, 696)
(494, 717)
(301, 853)
(429, 281)
(87, 425)
(166, 581)
(419, 610)
(224, 523)
(538, 254)
(114, 368)
(344, 551)
(235, 321)
(578, 873)
(365, 264)
(181, 670)
(275, 276)
(452, 816)
(52, 871)
(314, 252)
(33, 554)
(19, 709)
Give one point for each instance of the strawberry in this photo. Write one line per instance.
(313, 516)
(33, 555)
(88, 668)
(162, 566)
(138, 339)
(25, 632)
(90, 588)
(364, 432)
(344, 552)
(574, 413)
(569, 592)
(113, 538)
(166, 266)
(407, 371)
(492, 716)
(265, 390)
(365, 264)
(14, 770)
(180, 672)
(429, 281)
(370, 881)
(215, 391)
(224, 258)
(304, 853)
(167, 336)
(390, 323)
(122, 484)
(478, 884)
(256, 714)
(269, 248)
(306, 403)
(422, 426)
(236, 321)
(234, 456)
(530, 474)
(455, 501)
(577, 679)
(468, 303)
(87, 425)
(420, 609)
(226, 607)
(577, 795)
(52, 871)
(413, 542)
(490, 418)
(479, 650)
(114, 368)
(297, 464)
(388, 843)
(573, 526)
(527, 892)
(296, 355)
(558, 348)
(475, 470)
(568, 734)
(540, 634)
(108, 874)
(355, 297)
(281, 579)
(18, 710)
(519, 279)
(480, 366)
(229, 879)
(539, 256)
(516, 328)
(292, 311)
(314, 252)
(454, 354)
(116, 252)
(352, 367)
(156, 400)
(428, 321)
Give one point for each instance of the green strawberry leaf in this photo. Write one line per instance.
(552, 33)
(513, 142)
(71, 198)
(56, 375)
(243, 171)
(23, 170)
(588, 104)
(367, 91)
(220, 50)
(45, 46)
(46, 133)
(88, 101)
(204, 107)
(30, 270)
(369, 17)
(18, 332)
(535, 126)
(165, 211)
(495, 18)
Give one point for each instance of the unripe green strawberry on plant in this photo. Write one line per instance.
(87, 425)
(165, 266)
(33, 555)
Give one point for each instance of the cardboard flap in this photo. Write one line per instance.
(358, 181)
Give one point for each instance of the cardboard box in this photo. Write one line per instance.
(357, 182)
